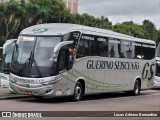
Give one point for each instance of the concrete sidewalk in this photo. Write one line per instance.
(4, 91)
(5, 94)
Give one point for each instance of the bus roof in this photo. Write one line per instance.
(51, 29)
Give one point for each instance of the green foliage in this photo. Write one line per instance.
(150, 30)
(130, 28)
(10, 18)
(15, 16)
(2, 39)
(146, 31)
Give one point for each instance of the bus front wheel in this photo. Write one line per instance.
(77, 95)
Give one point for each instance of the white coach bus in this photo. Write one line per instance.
(73, 60)
(7, 51)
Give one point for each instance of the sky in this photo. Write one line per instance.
(119, 11)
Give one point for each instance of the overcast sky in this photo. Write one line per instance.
(123, 10)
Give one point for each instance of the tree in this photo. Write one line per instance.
(15, 16)
(10, 14)
(131, 29)
(150, 30)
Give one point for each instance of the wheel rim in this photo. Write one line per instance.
(77, 92)
(137, 89)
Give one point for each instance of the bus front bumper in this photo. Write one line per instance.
(47, 91)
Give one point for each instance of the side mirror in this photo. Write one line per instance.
(59, 46)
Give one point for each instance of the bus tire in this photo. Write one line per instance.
(137, 87)
(136, 90)
(78, 92)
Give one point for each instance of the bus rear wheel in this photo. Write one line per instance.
(137, 87)
(77, 95)
(136, 90)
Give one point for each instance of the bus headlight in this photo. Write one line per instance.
(49, 82)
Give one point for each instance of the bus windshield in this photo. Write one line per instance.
(6, 59)
(33, 56)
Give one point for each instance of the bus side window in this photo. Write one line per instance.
(80, 50)
(62, 59)
(83, 48)
(113, 48)
(102, 47)
(148, 52)
(126, 49)
(137, 50)
(92, 48)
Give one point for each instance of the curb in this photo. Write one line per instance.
(5, 97)
(156, 88)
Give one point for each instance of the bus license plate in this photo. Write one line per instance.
(28, 92)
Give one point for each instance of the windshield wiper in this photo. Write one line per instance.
(37, 68)
(25, 64)
(29, 62)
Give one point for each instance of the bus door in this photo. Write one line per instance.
(65, 63)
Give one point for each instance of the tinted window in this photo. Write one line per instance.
(92, 48)
(148, 51)
(126, 49)
(102, 46)
(62, 59)
(114, 48)
(86, 46)
(137, 53)
(90, 45)
(73, 36)
(143, 51)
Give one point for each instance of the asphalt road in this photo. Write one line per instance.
(149, 100)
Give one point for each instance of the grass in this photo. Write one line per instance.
(11, 95)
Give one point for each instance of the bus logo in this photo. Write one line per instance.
(148, 71)
(40, 30)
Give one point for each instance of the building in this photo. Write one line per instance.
(72, 5)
